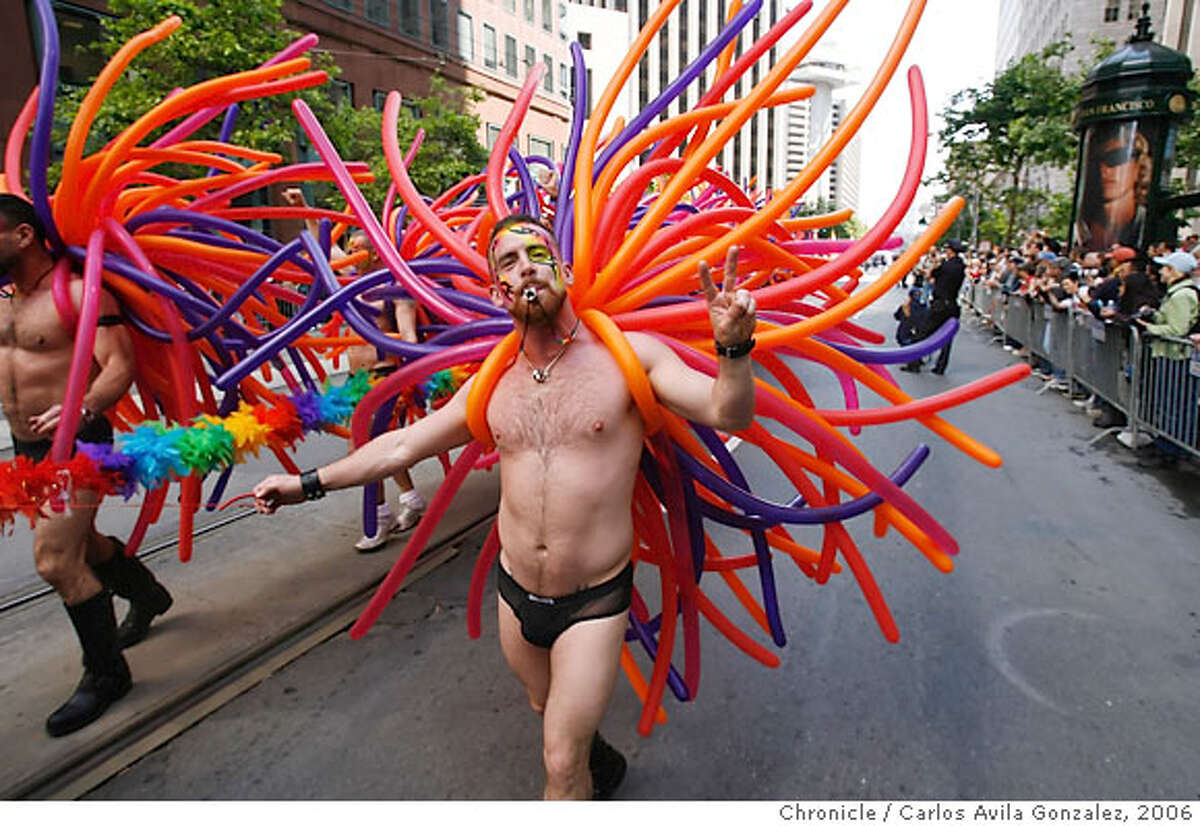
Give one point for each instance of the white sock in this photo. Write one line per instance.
(413, 500)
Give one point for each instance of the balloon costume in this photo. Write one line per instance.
(638, 207)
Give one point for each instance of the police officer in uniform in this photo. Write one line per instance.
(947, 280)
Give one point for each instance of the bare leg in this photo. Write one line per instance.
(403, 481)
(583, 671)
(406, 326)
(529, 662)
(61, 545)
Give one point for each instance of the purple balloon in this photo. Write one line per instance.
(644, 635)
(693, 70)
(227, 125)
(39, 145)
(901, 355)
(563, 209)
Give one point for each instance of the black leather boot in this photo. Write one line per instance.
(607, 766)
(105, 672)
(127, 577)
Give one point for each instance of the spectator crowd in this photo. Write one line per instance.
(1157, 291)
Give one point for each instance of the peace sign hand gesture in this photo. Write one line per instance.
(731, 310)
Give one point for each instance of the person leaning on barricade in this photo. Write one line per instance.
(1045, 288)
(1171, 387)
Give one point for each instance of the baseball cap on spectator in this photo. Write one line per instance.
(915, 292)
(1120, 255)
(1046, 255)
(956, 245)
(1062, 262)
(1178, 261)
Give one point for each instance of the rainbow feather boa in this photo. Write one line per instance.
(154, 453)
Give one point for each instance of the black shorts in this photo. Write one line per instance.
(543, 619)
(97, 431)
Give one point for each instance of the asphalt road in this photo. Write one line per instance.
(1059, 661)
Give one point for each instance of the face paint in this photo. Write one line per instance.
(539, 250)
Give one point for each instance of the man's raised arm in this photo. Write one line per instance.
(379, 458)
(726, 403)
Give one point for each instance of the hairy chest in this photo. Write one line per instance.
(584, 402)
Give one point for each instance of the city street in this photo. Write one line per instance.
(1058, 661)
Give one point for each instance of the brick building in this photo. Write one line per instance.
(380, 45)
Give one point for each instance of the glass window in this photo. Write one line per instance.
(376, 11)
(510, 55)
(510, 6)
(493, 134)
(466, 37)
(548, 15)
(341, 91)
(78, 30)
(439, 23)
(528, 11)
(378, 98)
(541, 146)
(489, 46)
(564, 80)
(410, 17)
(585, 40)
(548, 80)
(1112, 11)
(341, 4)
(530, 58)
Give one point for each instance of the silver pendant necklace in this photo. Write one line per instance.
(542, 374)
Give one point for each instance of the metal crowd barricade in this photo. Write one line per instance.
(993, 306)
(1058, 338)
(972, 291)
(1018, 320)
(1100, 358)
(1159, 395)
(1168, 392)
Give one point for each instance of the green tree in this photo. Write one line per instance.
(449, 151)
(218, 37)
(852, 227)
(996, 133)
(1187, 143)
(215, 38)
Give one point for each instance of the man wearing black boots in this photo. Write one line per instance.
(82, 566)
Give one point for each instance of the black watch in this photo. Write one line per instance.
(310, 484)
(735, 351)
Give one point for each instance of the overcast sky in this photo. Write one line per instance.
(954, 47)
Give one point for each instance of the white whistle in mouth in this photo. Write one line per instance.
(530, 294)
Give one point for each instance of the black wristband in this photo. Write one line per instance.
(310, 484)
(735, 351)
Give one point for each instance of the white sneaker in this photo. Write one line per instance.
(385, 524)
(407, 520)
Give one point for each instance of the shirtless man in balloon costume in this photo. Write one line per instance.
(569, 438)
(84, 567)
